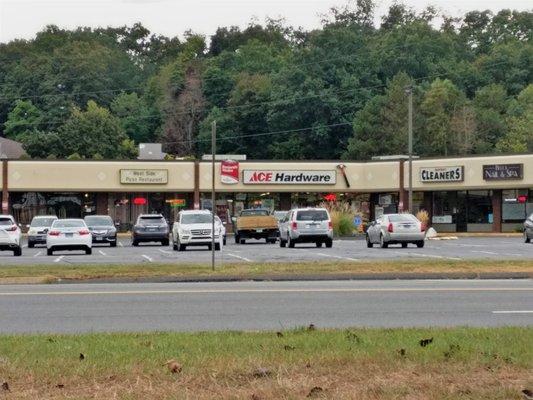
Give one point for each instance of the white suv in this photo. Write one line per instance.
(193, 228)
(306, 225)
(10, 235)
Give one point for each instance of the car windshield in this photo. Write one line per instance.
(402, 218)
(5, 222)
(312, 215)
(246, 213)
(152, 220)
(99, 221)
(196, 219)
(68, 224)
(280, 214)
(42, 222)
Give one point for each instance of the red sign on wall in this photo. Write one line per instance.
(229, 172)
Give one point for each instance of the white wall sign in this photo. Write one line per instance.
(283, 177)
(144, 176)
(442, 174)
(442, 219)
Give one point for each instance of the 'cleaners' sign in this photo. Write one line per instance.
(280, 177)
(229, 172)
(441, 174)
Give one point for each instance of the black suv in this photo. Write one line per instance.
(102, 229)
(150, 228)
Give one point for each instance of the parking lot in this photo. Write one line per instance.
(259, 252)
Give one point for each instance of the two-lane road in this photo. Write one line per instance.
(75, 308)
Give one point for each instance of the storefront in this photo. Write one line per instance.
(474, 194)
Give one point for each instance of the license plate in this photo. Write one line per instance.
(99, 239)
(69, 234)
(259, 230)
(311, 226)
(151, 230)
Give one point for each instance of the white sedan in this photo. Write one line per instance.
(10, 235)
(69, 234)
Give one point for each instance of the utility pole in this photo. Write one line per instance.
(213, 208)
(409, 92)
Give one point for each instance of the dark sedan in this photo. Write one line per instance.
(102, 229)
(528, 229)
(150, 228)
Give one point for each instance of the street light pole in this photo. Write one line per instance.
(409, 92)
(213, 151)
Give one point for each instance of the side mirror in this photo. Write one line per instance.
(27, 226)
(224, 223)
(234, 219)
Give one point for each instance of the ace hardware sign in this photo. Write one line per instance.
(293, 177)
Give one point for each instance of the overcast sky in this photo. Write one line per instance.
(23, 18)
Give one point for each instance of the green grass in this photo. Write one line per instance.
(52, 273)
(462, 363)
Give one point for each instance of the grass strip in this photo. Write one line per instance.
(55, 272)
(459, 363)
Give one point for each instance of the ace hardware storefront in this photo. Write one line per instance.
(463, 194)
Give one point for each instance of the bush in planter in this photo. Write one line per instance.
(341, 217)
(423, 217)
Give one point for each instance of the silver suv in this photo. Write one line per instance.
(306, 225)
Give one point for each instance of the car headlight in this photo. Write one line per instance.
(185, 232)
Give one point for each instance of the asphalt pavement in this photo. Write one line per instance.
(145, 307)
(259, 252)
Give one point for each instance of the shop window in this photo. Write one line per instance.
(479, 207)
(444, 207)
(515, 204)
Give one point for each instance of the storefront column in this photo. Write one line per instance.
(285, 201)
(428, 205)
(496, 211)
(196, 196)
(402, 206)
(102, 204)
(5, 192)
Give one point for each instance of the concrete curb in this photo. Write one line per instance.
(309, 277)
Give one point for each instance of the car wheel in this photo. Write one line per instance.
(164, 242)
(237, 239)
(88, 251)
(318, 244)
(217, 246)
(175, 246)
(209, 247)
(404, 245)
(271, 241)
(17, 252)
(527, 239)
(224, 241)
(382, 243)
(329, 243)
(113, 243)
(282, 243)
(135, 243)
(242, 241)
(31, 245)
(369, 244)
(291, 243)
(420, 244)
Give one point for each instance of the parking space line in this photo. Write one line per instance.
(338, 257)
(434, 256)
(150, 259)
(37, 254)
(58, 259)
(24, 246)
(484, 252)
(120, 244)
(239, 257)
(102, 253)
(513, 312)
(164, 251)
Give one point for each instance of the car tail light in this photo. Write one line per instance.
(390, 228)
(84, 232)
(12, 228)
(294, 226)
(54, 233)
(422, 228)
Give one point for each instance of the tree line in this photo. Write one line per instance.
(277, 92)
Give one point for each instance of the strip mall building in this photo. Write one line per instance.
(474, 194)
